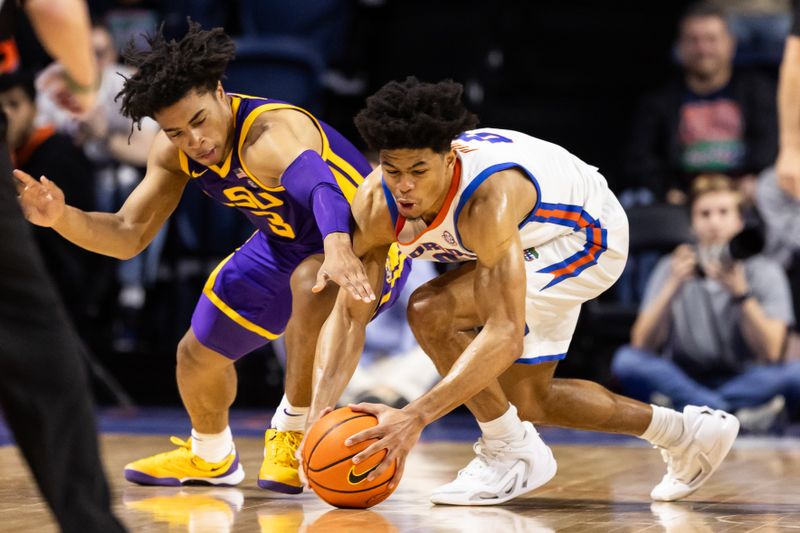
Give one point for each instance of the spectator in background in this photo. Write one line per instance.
(118, 154)
(713, 118)
(40, 150)
(712, 331)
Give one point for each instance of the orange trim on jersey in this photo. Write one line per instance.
(448, 200)
(24, 152)
(9, 56)
(562, 214)
(592, 255)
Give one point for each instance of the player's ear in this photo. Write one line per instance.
(450, 157)
(220, 91)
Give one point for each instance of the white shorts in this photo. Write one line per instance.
(564, 273)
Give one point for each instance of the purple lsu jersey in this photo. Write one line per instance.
(247, 300)
(279, 217)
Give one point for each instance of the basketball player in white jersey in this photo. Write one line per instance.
(537, 232)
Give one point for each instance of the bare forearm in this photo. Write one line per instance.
(487, 356)
(339, 348)
(102, 233)
(789, 95)
(651, 327)
(63, 28)
(765, 336)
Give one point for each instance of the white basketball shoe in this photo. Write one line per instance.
(707, 438)
(500, 472)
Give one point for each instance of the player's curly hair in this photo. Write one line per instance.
(170, 69)
(414, 114)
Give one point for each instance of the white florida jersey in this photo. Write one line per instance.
(570, 197)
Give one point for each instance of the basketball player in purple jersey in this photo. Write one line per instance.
(293, 177)
(536, 232)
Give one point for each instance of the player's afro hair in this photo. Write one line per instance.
(171, 69)
(413, 114)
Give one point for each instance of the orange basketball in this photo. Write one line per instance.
(328, 465)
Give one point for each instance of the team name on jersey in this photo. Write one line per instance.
(442, 254)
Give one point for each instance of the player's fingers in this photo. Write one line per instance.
(363, 286)
(363, 407)
(322, 280)
(381, 468)
(325, 411)
(361, 436)
(24, 177)
(398, 473)
(369, 451)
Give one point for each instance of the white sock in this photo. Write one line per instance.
(288, 417)
(665, 429)
(213, 447)
(507, 428)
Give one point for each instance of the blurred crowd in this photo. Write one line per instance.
(706, 310)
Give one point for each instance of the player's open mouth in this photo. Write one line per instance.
(407, 206)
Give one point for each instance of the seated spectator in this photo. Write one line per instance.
(711, 118)
(712, 331)
(39, 151)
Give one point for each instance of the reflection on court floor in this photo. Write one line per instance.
(600, 486)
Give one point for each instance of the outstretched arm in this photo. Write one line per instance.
(122, 234)
(341, 339)
(309, 181)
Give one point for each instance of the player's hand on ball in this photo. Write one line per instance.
(397, 432)
(42, 201)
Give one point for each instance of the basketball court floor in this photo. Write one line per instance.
(602, 485)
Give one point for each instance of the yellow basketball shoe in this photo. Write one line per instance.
(279, 469)
(182, 467)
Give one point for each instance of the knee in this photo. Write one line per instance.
(305, 276)
(427, 311)
(189, 355)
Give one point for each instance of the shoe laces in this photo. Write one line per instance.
(482, 462)
(281, 447)
(676, 462)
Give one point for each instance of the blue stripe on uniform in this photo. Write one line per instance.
(540, 359)
(479, 179)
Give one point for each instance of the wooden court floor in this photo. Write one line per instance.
(597, 488)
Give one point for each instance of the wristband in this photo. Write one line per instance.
(739, 299)
(79, 88)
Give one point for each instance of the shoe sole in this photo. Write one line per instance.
(277, 486)
(725, 445)
(538, 478)
(140, 478)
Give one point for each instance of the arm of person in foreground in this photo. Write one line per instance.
(63, 28)
(341, 340)
(788, 163)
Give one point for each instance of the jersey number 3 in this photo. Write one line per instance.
(241, 197)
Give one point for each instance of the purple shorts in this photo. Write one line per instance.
(247, 300)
